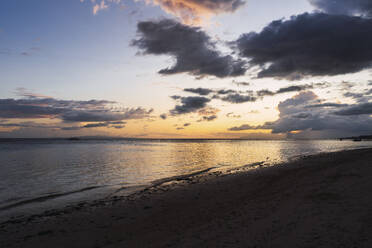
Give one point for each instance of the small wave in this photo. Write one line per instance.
(180, 177)
(47, 197)
(253, 164)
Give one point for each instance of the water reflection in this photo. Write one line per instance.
(29, 170)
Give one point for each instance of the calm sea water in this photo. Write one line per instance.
(40, 174)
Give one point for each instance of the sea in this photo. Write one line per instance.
(41, 174)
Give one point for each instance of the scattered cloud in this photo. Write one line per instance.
(254, 112)
(208, 114)
(305, 113)
(292, 88)
(360, 97)
(208, 111)
(232, 115)
(99, 5)
(189, 104)
(193, 50)
(238, 98)
(199, 91)
(208, 118)
(243, 127)
(241, 83)
(23, 92)
(100, 113)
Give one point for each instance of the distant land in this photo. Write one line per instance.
(81, 138)
(358, 138)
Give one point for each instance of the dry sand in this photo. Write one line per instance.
(317, 201)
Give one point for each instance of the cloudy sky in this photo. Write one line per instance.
(262, 69)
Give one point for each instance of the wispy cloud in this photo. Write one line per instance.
(194, 12)
(99, 5)
(70, 113)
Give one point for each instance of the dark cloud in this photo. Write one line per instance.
(163, 116)
(24, 108)
(241, 83)
(208, 114)
(175, 97)
(265, 92)
(117, 122)
(91, 116)
(296, 115)
(68, 110)
(327, 104)
(208, 118)
(36, 125)
(234, 96)
(118, 126)
(302, 115)
(186, 124)
(113, 124)
(92, 125)
(28, 124)
(232, 115)
(242, 128)
(309, 45)
(225, 92)
(206, 91)
(292, 88)
(357, 109)
(360, 97)
(193, 50)
(190, 104)
(344, 7)
(74, 128)
(238, 98)
(105, 115)
(199, 91)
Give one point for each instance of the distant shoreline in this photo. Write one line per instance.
(157, 139)
(319, 200)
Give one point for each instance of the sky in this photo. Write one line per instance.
(252, 69)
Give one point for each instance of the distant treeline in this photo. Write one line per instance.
(358, 138)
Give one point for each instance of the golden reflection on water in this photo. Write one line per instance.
(175, 158)
(154, 160)
(32, 170)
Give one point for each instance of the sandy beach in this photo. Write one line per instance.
(321, 200)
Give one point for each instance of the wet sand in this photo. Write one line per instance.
(322, 200)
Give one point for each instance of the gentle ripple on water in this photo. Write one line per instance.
(39, 169)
